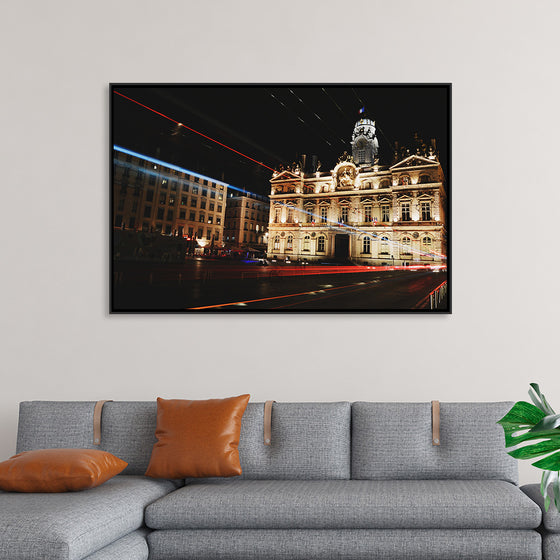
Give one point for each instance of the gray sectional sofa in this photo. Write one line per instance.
(339, 481)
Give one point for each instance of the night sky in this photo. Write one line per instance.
(272, 124)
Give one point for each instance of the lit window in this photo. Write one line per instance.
(277, 243)
(366, 245)
(321, 244)
(306, 242)
(276, 215)
(405, 211)
(309, 215)
(404, 180)
(290, 243)
(344, 215)
(384, 246)
(385, 213)
(324, 211)
(405, 246)
(426, 211)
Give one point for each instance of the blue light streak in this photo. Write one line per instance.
(177, 168)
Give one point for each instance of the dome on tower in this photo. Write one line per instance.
(364, 142)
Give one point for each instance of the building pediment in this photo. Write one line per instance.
(285, 175)
(413, 161)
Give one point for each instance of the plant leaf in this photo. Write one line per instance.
(539, 399)
(522, 414)
(549, 422)
(556, 488)
(550, 463)
(547, 478)
(535, 450)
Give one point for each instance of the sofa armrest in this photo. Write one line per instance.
(551, 518)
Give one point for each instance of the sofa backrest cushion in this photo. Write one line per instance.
(309, 440)
(394, 441)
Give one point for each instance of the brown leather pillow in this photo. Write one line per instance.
(197, 438)
(58, 470)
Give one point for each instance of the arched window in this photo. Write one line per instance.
(404, 180)
(277, 243)
(366, 245)
(321, 244)
(427, 248)
(423, 179)
(405, 246)
(384, 246)
(385, 184)
(306, 242)
(290, 243)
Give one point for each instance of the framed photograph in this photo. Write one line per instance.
(275, 198)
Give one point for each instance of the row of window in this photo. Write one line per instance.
(310, 216)
(404, 247)
(139, 165)
(173, 196)
(168, 229)
(383, 184)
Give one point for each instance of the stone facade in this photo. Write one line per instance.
(154, 196)
(360, 211)
(246, 221)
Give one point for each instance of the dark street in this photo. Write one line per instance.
(207, 285)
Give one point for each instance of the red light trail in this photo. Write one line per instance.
(191, 129)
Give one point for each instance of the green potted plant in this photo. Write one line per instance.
(534, 431)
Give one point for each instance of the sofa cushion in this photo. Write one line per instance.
(551, 546)
(394, 441)
(197, 438)
(350, 544)
(310, 441)
(551, 518)
(130, 547)
(58, 470)
(72, 525)
(345, 504)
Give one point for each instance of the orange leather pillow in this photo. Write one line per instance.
(58, 470)
(197, 438)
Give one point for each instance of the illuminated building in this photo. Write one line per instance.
(362, 211)
(246, 222)
(154, 196)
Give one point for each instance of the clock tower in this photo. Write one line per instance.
(364, 143)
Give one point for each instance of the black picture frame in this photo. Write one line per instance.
(239, 131)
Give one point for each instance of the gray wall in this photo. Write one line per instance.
(57, 340)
